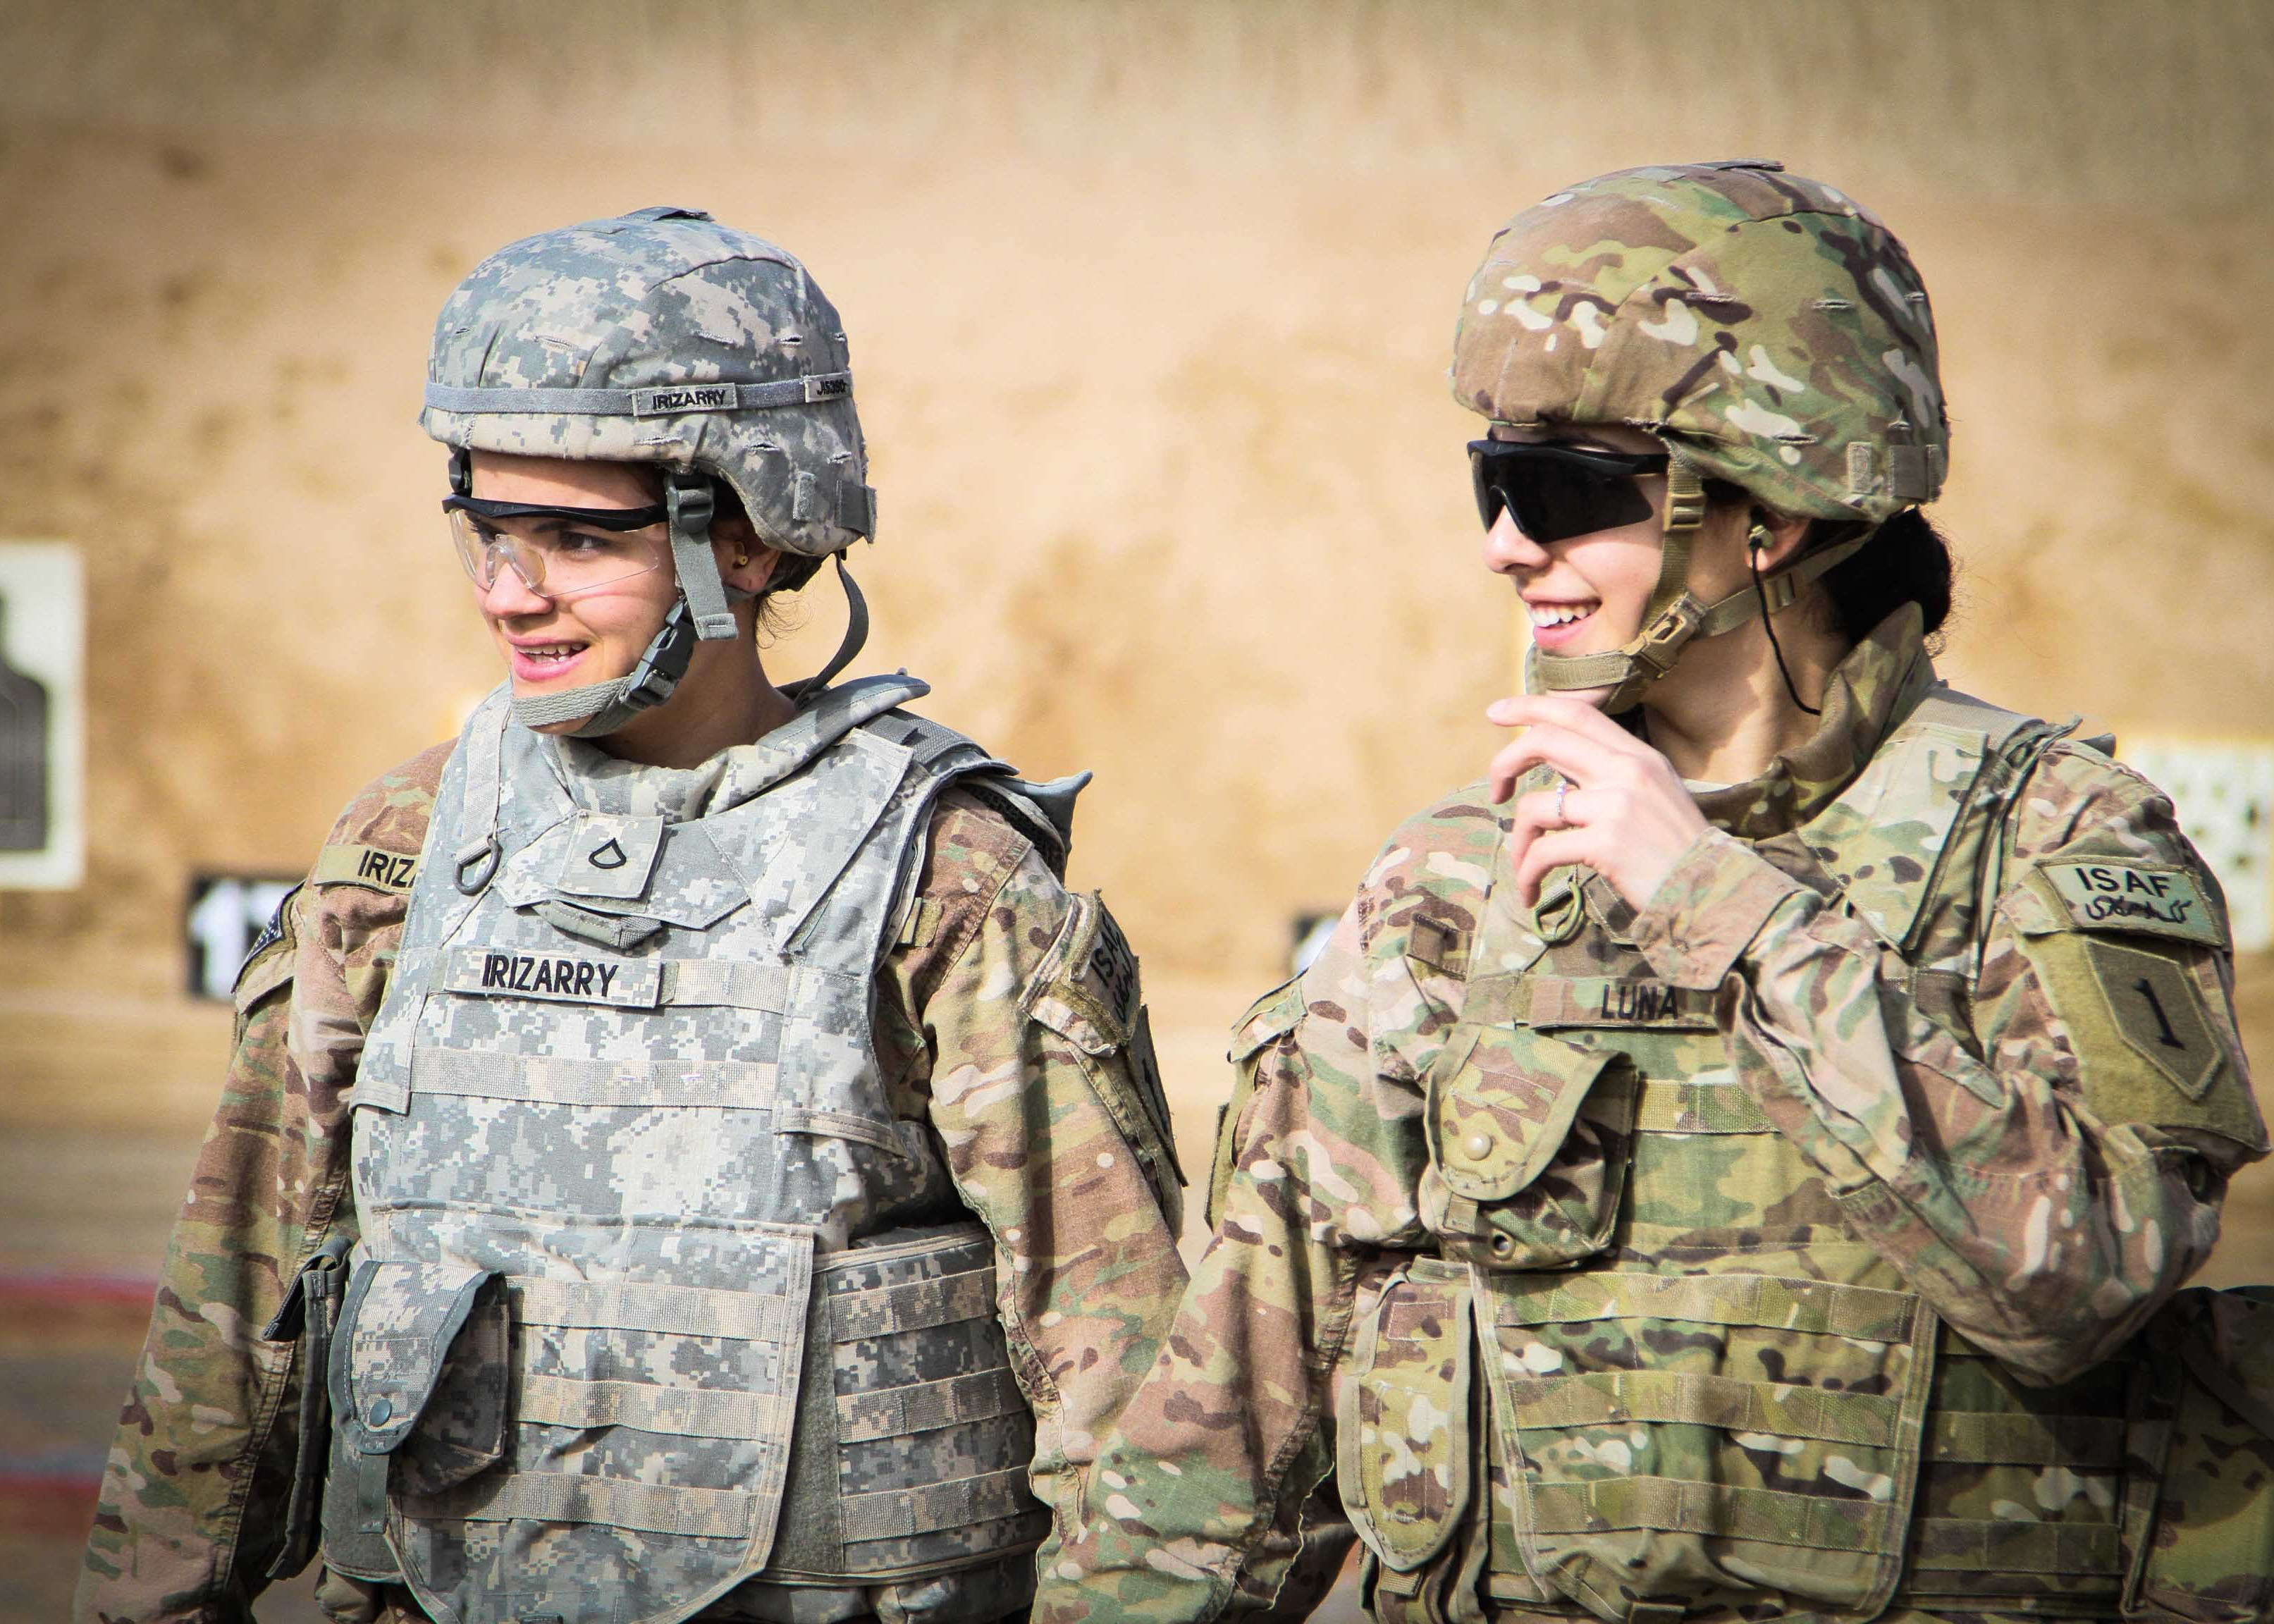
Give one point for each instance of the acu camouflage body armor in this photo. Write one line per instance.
(1694, 1388)
(655, 1295)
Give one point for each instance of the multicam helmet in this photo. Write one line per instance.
(661, 336)
(1770, 330)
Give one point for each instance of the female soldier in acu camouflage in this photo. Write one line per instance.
(730, 1178)
(1747, 1174)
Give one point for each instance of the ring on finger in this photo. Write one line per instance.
(1562, 790)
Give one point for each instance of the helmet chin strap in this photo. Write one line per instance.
(1673, 616)
(701, 616)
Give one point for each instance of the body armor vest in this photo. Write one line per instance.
(1698, 1388)
(655, 1295)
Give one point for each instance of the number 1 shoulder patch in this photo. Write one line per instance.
(2159, 1011)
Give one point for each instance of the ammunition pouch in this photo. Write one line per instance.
(2199, 1504)
(309, 1311)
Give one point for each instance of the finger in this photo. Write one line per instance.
(1555, 849)
(1533, 710)
(1582, 760)
(1531, 816)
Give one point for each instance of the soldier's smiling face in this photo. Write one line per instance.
(1584, 594)
(550, 644)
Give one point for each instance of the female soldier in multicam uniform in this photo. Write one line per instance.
(1732, 1180)
(753, 1160)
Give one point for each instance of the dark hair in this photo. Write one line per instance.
(1905, 562)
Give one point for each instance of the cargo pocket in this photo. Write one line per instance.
(420, 1375)
(1530, 1136)
(1401, 1419)
(2199, 1502)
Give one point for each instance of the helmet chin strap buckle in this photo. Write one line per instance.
(600, 708)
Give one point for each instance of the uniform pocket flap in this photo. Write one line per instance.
(1502, 1117)
(1403, 1426)
(2232, 1352)
(421, 1350)
(1270, 1017)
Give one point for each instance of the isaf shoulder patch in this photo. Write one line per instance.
(2154, 898)
(365, 865)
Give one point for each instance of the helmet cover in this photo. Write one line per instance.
(662, 336)
(1770, 327)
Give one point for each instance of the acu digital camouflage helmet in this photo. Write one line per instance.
(661, 336)
(1772, 331)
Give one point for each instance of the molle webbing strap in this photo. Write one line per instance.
(1772, 1517)
(650, 1407)
(961, 1502)
(672, 1311)
(663, 401)
(2017, 1437)
(1812, 1306)
(1692, 1106)
(926, 1406)
(548, 1079)
(737, 984)
(917, 1305)
(616, 1502)
(1965, 1544)
(689, 499)
(1612, 1398)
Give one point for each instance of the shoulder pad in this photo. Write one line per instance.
(1043, 813)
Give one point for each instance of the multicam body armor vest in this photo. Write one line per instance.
(655, 1296)
(1741, 1404)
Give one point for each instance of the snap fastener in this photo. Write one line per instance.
(381, 1411)
(1480, 1147)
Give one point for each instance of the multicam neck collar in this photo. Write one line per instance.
(1872, 689)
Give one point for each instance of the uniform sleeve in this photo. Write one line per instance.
(1214, 1493)
(1044, 1095)
(191, 1509)
(2047, 1184)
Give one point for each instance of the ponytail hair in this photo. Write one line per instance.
(1906, 560)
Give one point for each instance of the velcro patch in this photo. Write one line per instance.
(1619, 1001)
(2156, 899)
(2160, 1013)
(685, 397)
(1111, 975)
(487, 973)
(366, 865)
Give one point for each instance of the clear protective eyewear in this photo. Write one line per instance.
(557, 552)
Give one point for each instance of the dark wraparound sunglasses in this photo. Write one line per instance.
(1557, 491)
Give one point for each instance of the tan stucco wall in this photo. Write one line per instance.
(1149, 308)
